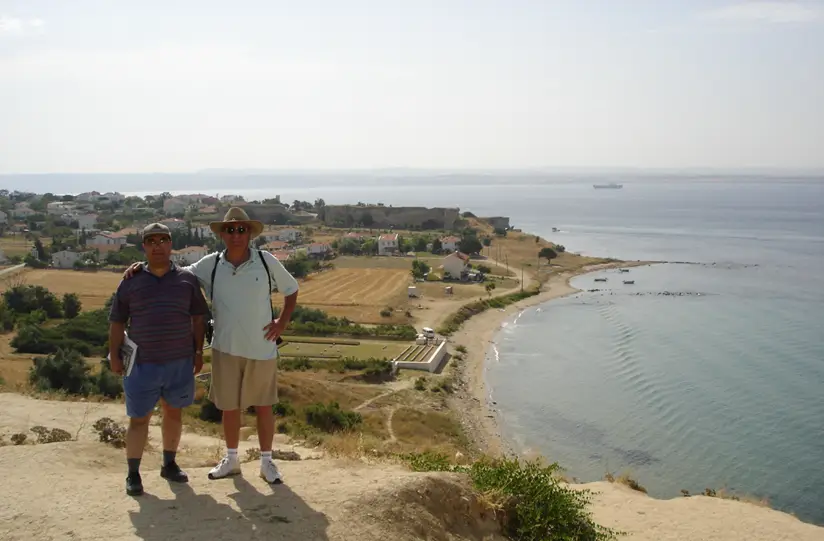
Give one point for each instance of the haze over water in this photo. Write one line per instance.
(686, 392)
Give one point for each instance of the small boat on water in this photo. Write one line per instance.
(623, 270)
(600, 279)
(629, 282)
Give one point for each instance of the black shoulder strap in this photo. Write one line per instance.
(214, 270)
(269, 276)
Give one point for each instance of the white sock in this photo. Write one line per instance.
(232, 454)
(265, 456)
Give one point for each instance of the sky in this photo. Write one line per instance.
(175, 86)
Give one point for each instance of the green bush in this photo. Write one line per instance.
(536, 505)
(108, 383)
(209, 412)
(283, 409)
(87, 334)
(66, 370)
(454, 322)
(24, 299)
(71, 305)
(420, 384)
(330, 418)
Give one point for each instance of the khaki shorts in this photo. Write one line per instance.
(238, 382)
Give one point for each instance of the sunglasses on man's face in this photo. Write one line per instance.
(157, 242)
(241, 229)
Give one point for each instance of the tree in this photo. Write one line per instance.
(349, 247)
(470, 245)
(548, 254)
(420, 244)
(26, 298)
(487, 241)
(367, 220)
(319, 203)
(419, 268)
(537, 239)
(489, 287)
(41, 251)
(370, 247)
(437, 246)
(71, 305)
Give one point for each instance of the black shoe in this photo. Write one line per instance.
(172, 472)
(134, 484)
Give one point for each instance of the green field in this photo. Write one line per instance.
(323, 349)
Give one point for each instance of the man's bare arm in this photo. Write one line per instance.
(199, 330)
(289, 304)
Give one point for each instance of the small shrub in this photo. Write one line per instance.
(252, 454)
(330, 418)
(2, 381)
(625, 480)
(420, 384)
(71, 305)
(110, 432)
(19, 438)
(460, 348)
(108, 383)
(283, 409)
(386, 312)
(53, 435)
(443, 386)
(66, 370)
(209, 412)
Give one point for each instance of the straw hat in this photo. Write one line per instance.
(237, 214)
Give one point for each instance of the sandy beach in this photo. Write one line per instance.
(472, 403)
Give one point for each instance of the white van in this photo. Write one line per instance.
(429, 333)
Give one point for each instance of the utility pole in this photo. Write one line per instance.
(506, 258)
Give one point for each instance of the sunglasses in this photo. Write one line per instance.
(241, 229)
(157, 242)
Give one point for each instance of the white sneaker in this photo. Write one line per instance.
(269, 472)
(226, 467)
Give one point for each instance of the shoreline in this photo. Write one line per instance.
(473, 404)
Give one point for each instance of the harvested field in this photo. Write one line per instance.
(17, 245)
(365, 350)
(359, 294)
(93, 288)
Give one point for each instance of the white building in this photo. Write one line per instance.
(88, 197)
(455, 264)
(22, 210)
(114, 197)
(289, 235)
(388, 244)
(58, 208)
(65, 259)
(203, 232)
(4, 218)
(189, 255)
(318, 249)
(86, 221)
(450, 244)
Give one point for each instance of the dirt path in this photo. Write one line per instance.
(392, 438)
(397, 386)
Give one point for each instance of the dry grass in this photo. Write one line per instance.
(626, 480)
(422, 428)
(16, 245)
(367, 349)
(93, 288)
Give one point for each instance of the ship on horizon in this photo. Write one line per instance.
(610, 186)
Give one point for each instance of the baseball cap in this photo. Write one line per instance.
(156, 229)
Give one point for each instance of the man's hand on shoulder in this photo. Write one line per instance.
(132, 270)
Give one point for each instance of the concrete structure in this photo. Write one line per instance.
(498, 222)
(450, 244)
(268, 214)
(275, 246)
(398, 217)
(354, 235)
(388, 244)
(432, 364)
(281, 255)
(57, 208)
(65, 259)
(189, 255)
(175, 224)
(455, 264)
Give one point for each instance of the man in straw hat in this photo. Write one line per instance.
(240, 281)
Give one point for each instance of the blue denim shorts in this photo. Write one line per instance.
(173, 381)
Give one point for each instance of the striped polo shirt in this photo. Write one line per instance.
(159, 313)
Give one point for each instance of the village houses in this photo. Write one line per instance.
(387, 244)
(455, 264)
(275, 246)
(4, 218)
(107, 241)
(175, 224)
(58, 208)
(22, 210)
(450, 244)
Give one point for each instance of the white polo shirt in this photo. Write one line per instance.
(240, 304)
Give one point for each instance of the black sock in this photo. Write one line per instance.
(168, 457)
(134, 465)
